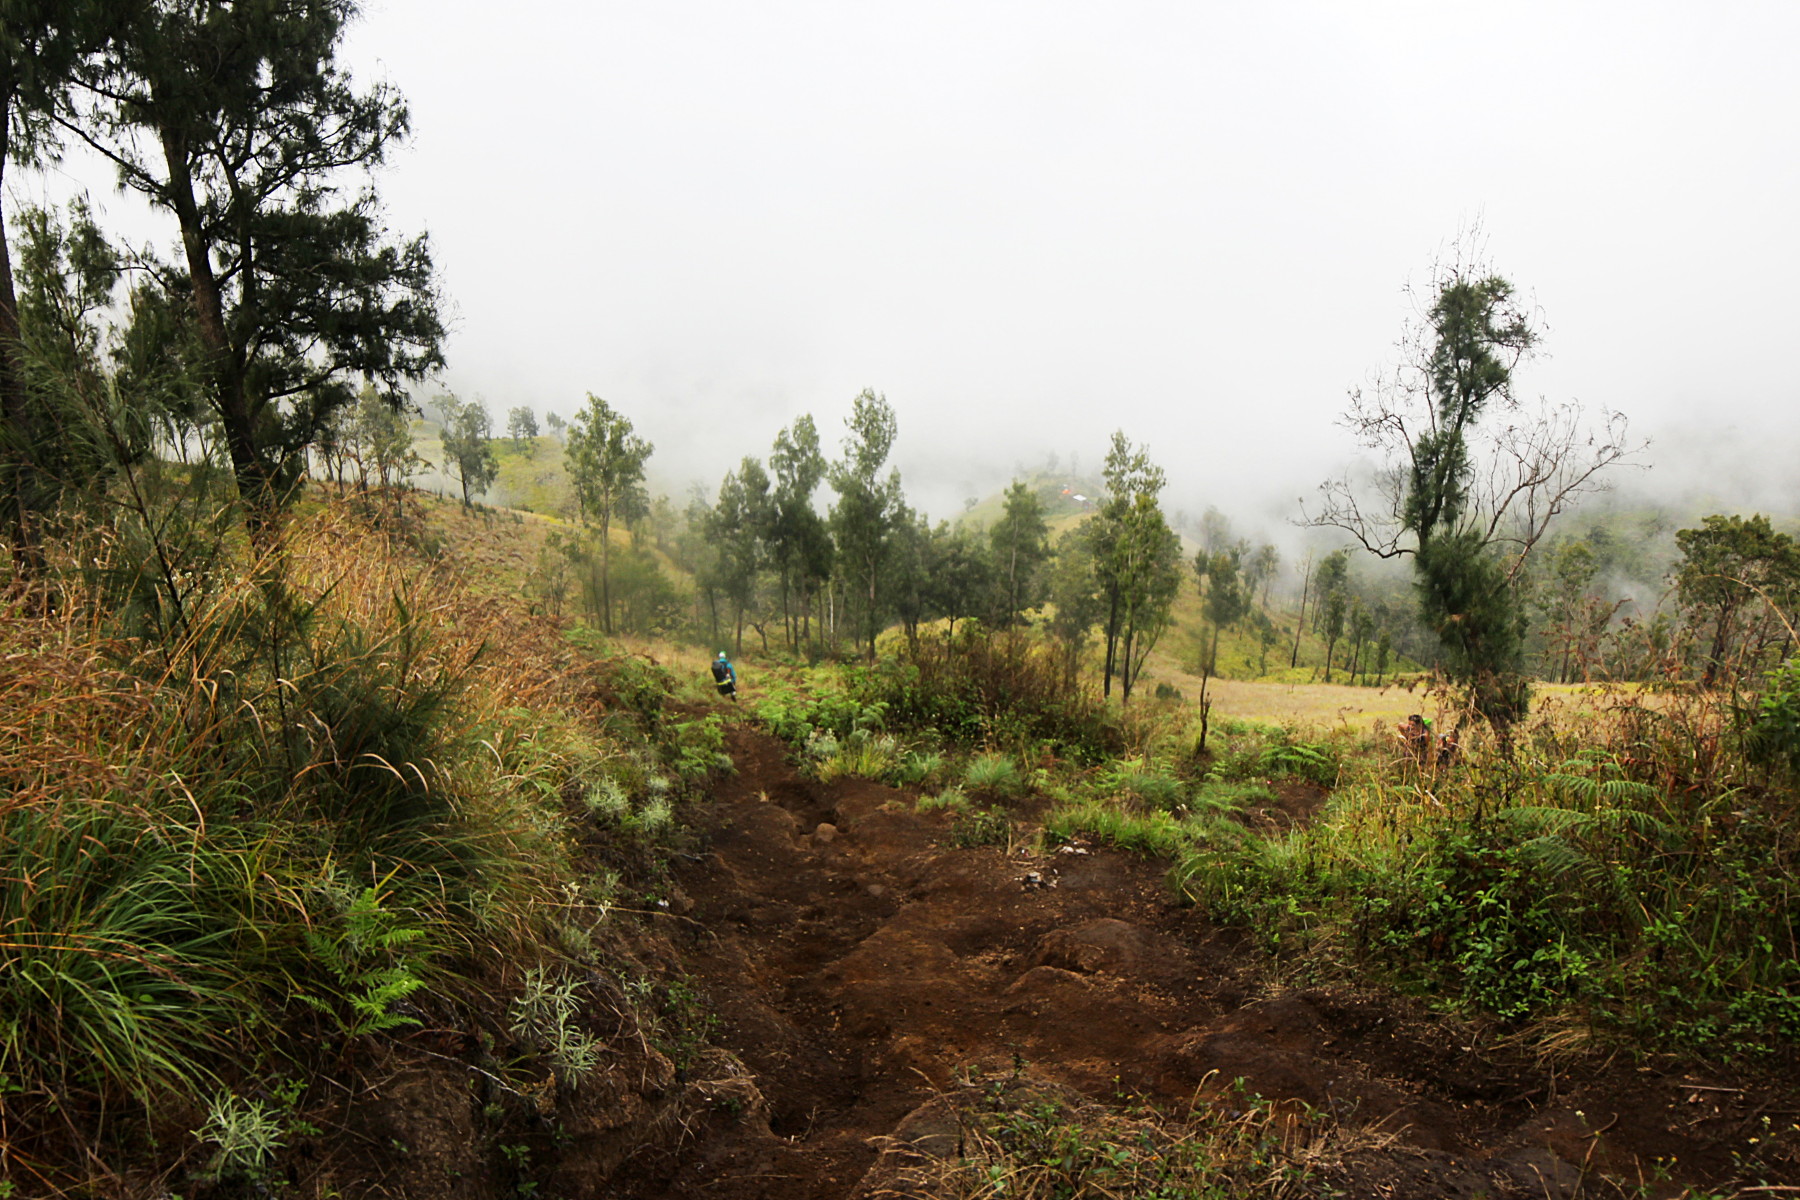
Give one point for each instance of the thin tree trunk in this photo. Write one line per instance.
(1112, 641)
(1205, 679)
(20, 439)
(1125, 679)
(1300, 621)
(256, 486)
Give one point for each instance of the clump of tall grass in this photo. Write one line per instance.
(994, 773)
(917, 767)
(953, 798)
(1146, 783)
(861, 754)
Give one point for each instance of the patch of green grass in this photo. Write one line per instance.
(953, 798)
(1157, 833)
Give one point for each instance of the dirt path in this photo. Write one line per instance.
(858, 961)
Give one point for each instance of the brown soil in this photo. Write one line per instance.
(863, 969)
(859, 963)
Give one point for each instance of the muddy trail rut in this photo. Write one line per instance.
(860, 964)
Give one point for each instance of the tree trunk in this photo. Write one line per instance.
(605, 568)
(1206, 678)
(1125, 680)
(1112, 641)
(18, 452)
(1300, 621)
(256, 486)
(787, 616)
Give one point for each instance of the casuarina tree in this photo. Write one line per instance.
(1471, 478)
(799, 541)
(43, 46)
(1021, 543)
(238, 121)
(869, 507)
(1735, 577)
(1136, 559)
(606, 464)
(468, 441)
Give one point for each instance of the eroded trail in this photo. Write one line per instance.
(858, 961)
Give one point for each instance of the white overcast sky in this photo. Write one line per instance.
(1029, 224)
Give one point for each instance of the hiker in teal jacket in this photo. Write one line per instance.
(725, 676)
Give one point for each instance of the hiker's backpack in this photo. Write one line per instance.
(721, 672)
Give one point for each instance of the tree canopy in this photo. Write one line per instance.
(239, 123)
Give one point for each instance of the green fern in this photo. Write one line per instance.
(367, 960)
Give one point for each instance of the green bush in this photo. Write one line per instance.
(696, 748)
(1771, 729)
(1526, 887)
(827, 711)
(1221, 796)
(983, 687)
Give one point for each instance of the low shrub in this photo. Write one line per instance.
(826, 709)
(1315, 762)
(1529, 887)
(981, 687)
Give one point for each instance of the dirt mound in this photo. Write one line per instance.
(861, 967)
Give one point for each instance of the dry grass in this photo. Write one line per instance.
(333, 713)
(1331, 705)
(1305, 704)
(1034, 1141)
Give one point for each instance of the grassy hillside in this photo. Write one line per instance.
(352, 793)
